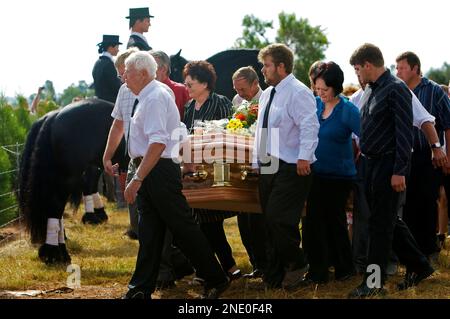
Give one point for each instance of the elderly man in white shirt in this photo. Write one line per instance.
(157, 185)
(286, 138)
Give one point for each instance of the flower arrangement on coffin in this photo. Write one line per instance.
(243, 121)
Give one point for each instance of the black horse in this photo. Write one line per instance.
(61, 159)
(225, 63)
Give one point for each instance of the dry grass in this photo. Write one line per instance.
(106, 259)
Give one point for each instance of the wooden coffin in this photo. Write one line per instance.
(222, 177)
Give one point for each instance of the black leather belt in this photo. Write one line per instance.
(137, 161)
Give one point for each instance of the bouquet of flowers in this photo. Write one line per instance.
(243, 121)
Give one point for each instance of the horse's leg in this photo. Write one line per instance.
(65, 257)
(99, 208)
(54, 250)
(92, 214)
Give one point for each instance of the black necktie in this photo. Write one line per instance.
(264, 131)
(136, 102)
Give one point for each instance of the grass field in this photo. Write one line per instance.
(106, 259)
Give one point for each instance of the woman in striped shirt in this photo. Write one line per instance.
(200, 79)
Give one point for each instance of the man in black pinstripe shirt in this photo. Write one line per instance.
(386, 141)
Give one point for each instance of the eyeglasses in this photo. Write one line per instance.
(190, 84)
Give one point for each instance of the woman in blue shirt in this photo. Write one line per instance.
(334, 170)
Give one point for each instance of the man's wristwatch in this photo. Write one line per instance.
(137, 178)
(436, 145)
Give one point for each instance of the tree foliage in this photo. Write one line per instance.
(81, 90)
(308, 42)
(254, 33)
(440, 75)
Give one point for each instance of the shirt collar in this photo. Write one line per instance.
(108, 55)
(140, 35)
(380, 81)
(146, 90)
(284, 82)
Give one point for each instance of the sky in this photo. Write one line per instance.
(56, 40)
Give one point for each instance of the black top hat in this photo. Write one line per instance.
(109, 40)
(139, 13)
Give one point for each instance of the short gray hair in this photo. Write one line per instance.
(163, 59)
(142, 60)
(248, 73)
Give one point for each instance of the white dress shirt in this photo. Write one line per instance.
(124, 105)
(155, 119)
(293, 114)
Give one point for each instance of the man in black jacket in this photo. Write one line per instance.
(106, 80)
(139, 23)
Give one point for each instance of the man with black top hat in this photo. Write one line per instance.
(106, 81)
(139, 23)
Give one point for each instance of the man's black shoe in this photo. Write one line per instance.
(363, 291)
(254, 274)
(165, 284)
(412, 278)
(215, 292)
(234, 275)
(137, 294)
(310, 280)
(293, 279)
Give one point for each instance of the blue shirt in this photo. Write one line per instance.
(334, 152)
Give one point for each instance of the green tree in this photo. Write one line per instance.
(254, 33)
(49, 91)
(12, 131)
(7, 199)
(80, 90)
(440, 75)
(308, 42)
(46, 106)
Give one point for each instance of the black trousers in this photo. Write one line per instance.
(252, 229)
(361, 213)
(326, 228)
(386, 230)
(161, 204)
(215, 234)
(420, 211)
(283, 197)
(446, 183)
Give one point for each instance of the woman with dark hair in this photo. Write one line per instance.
(106, 80)
(200, 79)
(334, 171)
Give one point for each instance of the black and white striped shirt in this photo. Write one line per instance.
(387, 121)
(216, 107)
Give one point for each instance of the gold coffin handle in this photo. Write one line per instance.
(247, 172)
(199, 175)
